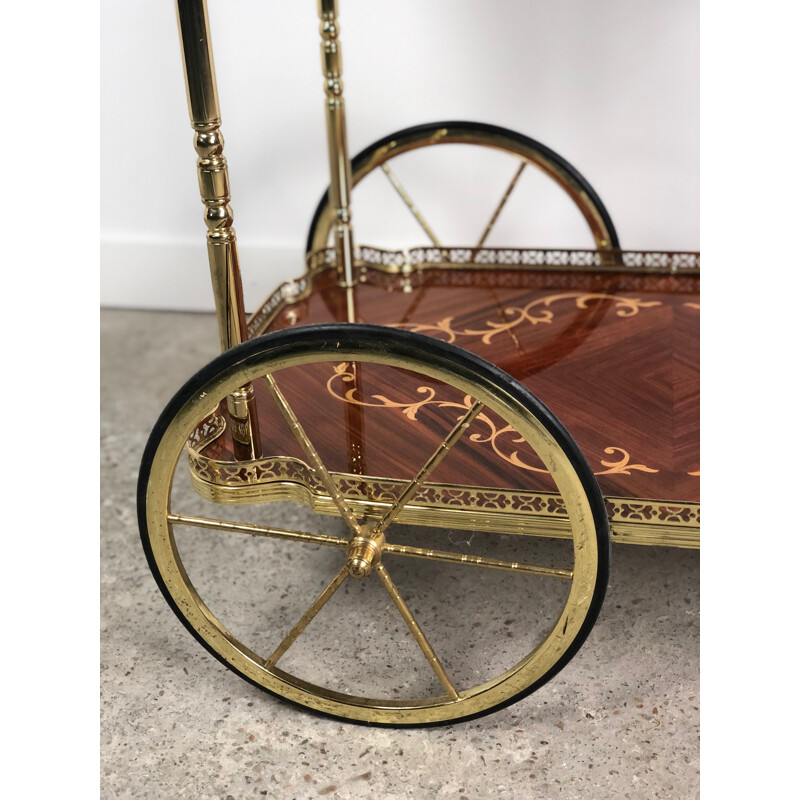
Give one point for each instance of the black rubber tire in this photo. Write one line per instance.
(399, 342)
(416, 130)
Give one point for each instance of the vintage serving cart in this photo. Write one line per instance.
(455, 536)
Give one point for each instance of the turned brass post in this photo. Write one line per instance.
(244, 423)
(212, 170)
(341, 183)
(339, 162)
(212, 173)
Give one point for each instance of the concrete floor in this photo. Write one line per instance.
(621, 721)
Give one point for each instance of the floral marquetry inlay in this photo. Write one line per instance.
(623, 466)
(501, 440)
(534, 313)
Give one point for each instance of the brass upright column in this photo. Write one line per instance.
(339, 197)
(212, 170)
(212, 173)
(341, 178)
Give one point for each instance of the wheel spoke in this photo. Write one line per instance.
(256, 530)
(500, 205)
(312, 612)
(416, 631)
(413, 486)
(477, 561)
(411, 206)
(312, 455)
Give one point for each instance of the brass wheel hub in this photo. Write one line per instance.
(364, 552)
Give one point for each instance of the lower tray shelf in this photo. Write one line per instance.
(609, 341)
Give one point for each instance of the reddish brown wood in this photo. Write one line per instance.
(616, 379)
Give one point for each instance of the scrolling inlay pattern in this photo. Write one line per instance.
(501, 440)
(626, 307)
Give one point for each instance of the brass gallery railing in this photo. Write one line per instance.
(372, 260)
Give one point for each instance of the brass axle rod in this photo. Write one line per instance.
(444, 448)
(312, 455)
(500, 206)
(411, 205)
(476, 561)
(312, 612)
(396, 549)
(257, 530)
(416, 632)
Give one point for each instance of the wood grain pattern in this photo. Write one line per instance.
(615, 356)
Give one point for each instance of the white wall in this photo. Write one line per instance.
(612, 85)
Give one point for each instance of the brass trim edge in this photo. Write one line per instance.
(671, 262)
(408, 262)
(633, 521)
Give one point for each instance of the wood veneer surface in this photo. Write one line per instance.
(615, 356)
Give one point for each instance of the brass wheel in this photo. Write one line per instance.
(400, 446)
(468, 188)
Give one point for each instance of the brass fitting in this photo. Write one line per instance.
(364, 552)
